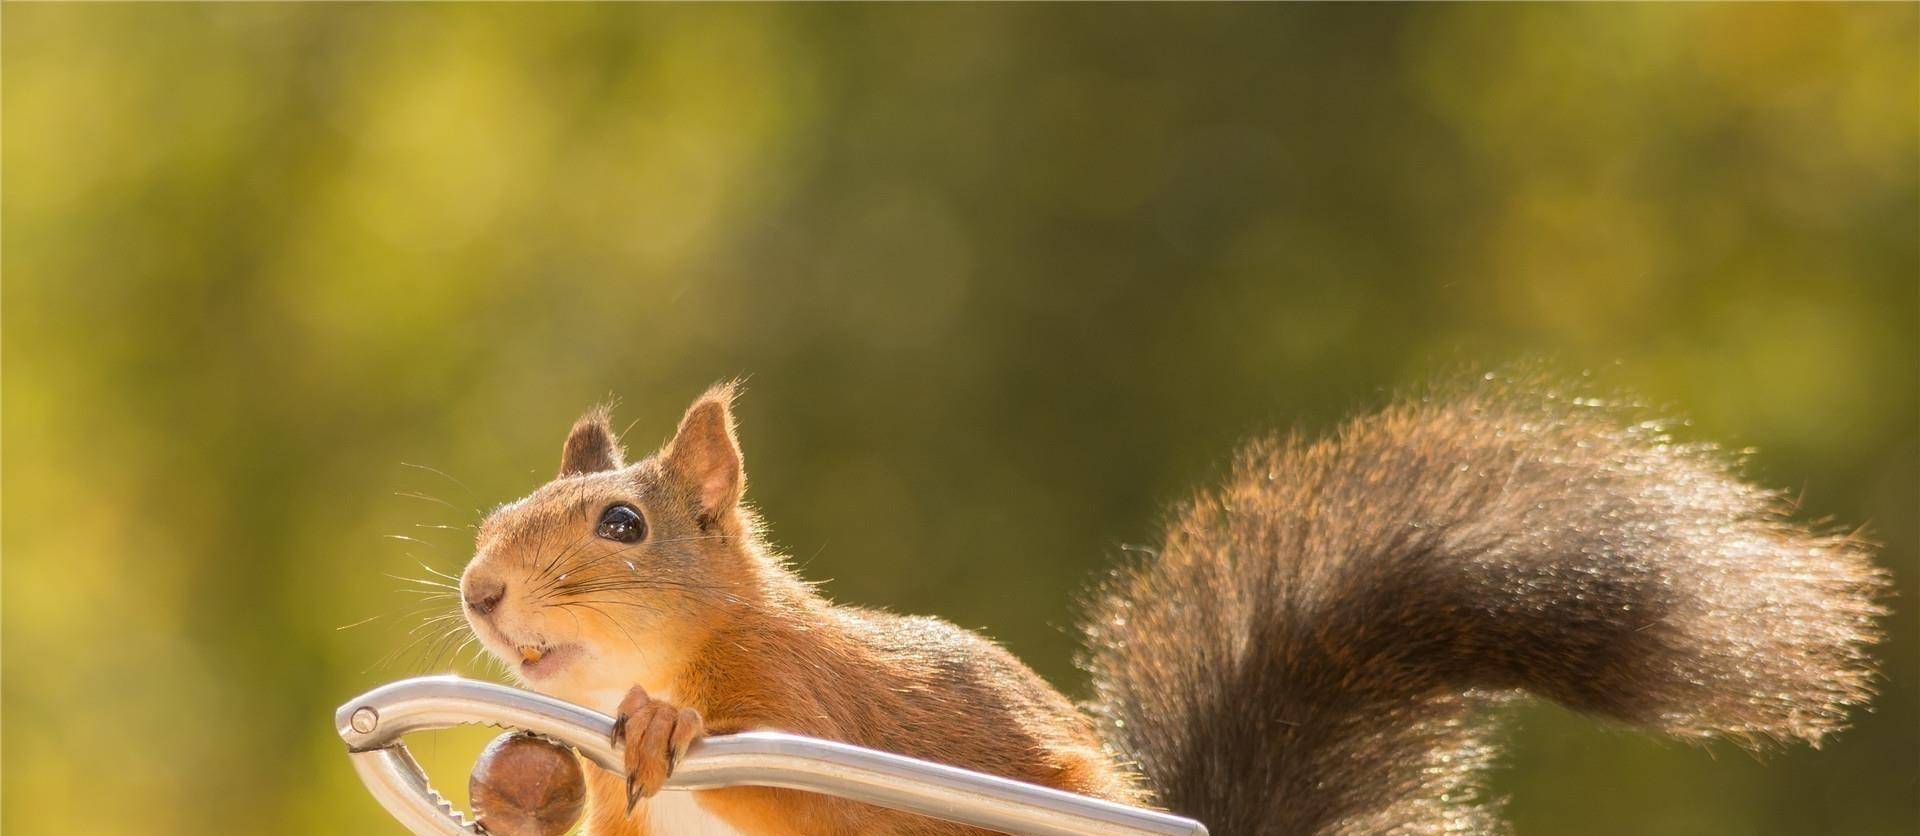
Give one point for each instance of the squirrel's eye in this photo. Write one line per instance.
(621, 524)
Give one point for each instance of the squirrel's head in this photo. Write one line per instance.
(615, 571)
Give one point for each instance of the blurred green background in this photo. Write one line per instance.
(1005, 280)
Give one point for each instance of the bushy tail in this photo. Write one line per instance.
(1310, 649)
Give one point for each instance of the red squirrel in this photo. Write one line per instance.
(1312, 649)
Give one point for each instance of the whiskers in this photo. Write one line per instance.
(609, 586)
(436, 634)
(437, 637)
(614, 572)
(428, 498)
(558, 566)
(442, 474)
(569, 607)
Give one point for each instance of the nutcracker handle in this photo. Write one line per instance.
(373, 724)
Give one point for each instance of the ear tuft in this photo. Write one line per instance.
(705, 454)
(591, 447)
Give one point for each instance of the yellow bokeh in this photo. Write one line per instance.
(1003, 281)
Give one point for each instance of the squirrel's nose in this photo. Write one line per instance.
(483, 596)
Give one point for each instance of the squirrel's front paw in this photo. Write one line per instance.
(656, 735)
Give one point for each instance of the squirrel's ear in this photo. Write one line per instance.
(705, 455)
(591, 447)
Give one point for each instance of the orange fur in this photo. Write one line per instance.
(704, 615)
(1308, 653)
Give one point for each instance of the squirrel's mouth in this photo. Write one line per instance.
(539, 661)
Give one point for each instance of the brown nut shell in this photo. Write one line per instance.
(523, 785)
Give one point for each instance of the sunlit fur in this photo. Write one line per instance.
(1314, 647)
(636, 608)
(1311, 651)
(704, 615)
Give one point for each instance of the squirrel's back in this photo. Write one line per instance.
(1313, 646)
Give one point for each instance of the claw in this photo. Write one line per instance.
(633, 798)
